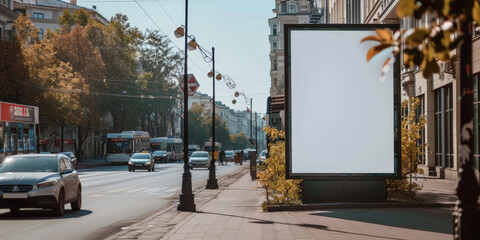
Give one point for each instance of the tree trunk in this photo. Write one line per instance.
(62, 128)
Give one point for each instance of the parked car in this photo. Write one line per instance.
(161, 155)
(46, 181)
(229, 155)
(72, 158)
(142, 160)
(199, 159)
(262, 157)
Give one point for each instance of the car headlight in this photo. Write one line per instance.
(47, 183)
(130, 163)
(147, 163)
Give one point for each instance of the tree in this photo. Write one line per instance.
(197, 131)
(278, 190)
(75, 48)
(163, 66)
(424, 47)
(25, 31)
(14, 76)
(411, 126)
(119, 52)
(239, 140)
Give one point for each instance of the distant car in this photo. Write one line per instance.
(39, 181)
(72, 158)
(161, 155)
(141, 161)
(262, 157)
(199, 159)
(229, 155)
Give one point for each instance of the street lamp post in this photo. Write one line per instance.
(212, 180)
(256, 133)
(251, 115)
(187, 202)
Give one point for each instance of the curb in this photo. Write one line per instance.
(324, 206)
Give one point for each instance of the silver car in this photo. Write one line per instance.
(199, 159)
(45, 181)
(141, 161)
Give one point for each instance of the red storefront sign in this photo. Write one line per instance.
(10, 112)
(65, 141)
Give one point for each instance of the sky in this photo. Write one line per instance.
(237, 29)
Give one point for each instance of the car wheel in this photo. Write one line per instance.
(77, 204)
(133, 170)
(15, 210)
(59, 210)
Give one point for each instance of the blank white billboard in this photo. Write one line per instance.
(340, 112)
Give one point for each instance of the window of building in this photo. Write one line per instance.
(420, 112)
(444, 127)
(292, 9)
(38, 15)
(274, 30)
(476, 122)
(304, 8)
(283, 7)
(274, 65)
(40, 33)
(275, 46)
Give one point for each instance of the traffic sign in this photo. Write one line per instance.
(192, 84)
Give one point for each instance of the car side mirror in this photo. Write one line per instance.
(66, 171)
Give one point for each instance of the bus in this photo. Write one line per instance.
(121, 146)
(208, 147)
(173, 146)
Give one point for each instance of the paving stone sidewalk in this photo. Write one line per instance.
(234, 212)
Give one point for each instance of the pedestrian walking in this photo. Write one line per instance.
(221, 156)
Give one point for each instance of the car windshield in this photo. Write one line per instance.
(228, 153)
(200, 154)
(264, 153)
(141, 156)
(68, 154)
(30, 164)
(160, 152)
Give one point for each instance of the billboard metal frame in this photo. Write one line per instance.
(396, 108)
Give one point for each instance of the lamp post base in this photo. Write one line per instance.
(212, 184)
(187, 203)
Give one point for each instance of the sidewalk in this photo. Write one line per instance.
(234, 212)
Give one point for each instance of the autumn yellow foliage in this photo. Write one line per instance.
(278, 190)
(411, 127)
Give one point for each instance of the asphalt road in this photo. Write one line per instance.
(112, 198)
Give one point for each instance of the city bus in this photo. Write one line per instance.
(121, 146)
(208, 147)
(173, 146)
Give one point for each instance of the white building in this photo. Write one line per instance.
(7, 16)
(287, 12)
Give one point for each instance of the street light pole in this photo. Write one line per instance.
(256, 133)
(187, 202)
(251, 101)
(212, 180)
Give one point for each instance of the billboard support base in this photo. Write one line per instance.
(361, 190)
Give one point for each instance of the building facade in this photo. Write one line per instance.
(45, 14)
(438, 95)
(7, 16)
(288, 12)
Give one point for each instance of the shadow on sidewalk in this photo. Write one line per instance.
(306, 225)
(425, 219)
